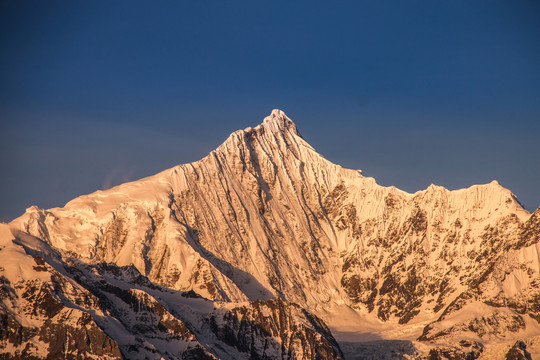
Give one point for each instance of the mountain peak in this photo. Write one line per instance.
(265, 217)
(275, 126)
(276, 114)
(278, 121)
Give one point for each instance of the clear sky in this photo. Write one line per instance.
(95, 93)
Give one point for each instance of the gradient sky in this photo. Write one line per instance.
(95, 93)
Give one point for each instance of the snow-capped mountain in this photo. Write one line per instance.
(242, 253)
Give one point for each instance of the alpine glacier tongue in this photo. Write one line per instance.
(265, 217)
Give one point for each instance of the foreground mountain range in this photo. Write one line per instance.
(266, 250)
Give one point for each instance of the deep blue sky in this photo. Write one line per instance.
(94, 93)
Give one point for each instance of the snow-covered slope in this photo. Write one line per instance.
(57, 307)
(265, 216)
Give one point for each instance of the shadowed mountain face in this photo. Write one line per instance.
(265, 221)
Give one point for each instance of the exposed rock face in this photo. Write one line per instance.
(466, 350)
(518, 352)
(266, 329)
(264, 216)
(42, 315)
(56, 307)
